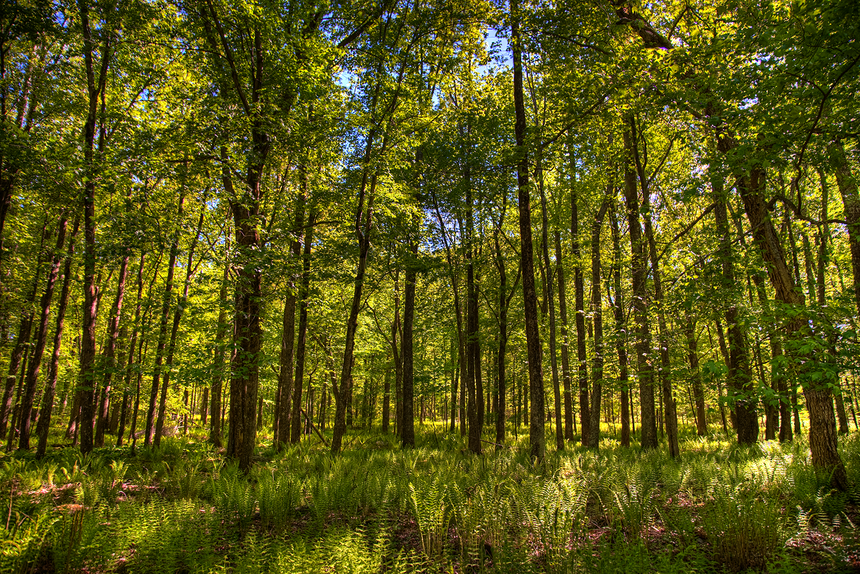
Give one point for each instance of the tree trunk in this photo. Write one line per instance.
(162, 327)
(670, 416)
(695, 375)
(220, 351)
(597, 313)
(579, 289)
(304, 293)
(44, 424)
(822, 435)
(110, 352)
(620, 328)
(474, 406)
(565, 339)
(537, 439)
(96, 83)
(407, 432)
(648, 422)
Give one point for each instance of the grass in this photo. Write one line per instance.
(434, 508)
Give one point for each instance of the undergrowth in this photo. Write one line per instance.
(434, 508)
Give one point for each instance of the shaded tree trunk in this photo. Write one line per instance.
(648, 422)
(620, 328)
(44, 425)
(597, 314)
(537, 438)
(304, 293)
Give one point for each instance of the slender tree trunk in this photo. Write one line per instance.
(44, 425)
(136, 328)
(110, 352)
(162, 328)
(648, 421)
(550, 298)
(537, 438)
(363, 220)
(597, 314)
(96, 82)
(286, 383)
(41, 338)
(174, 331)
(620, 328)
(304, 293)
(823, 261)
(407, 433)
(473, 365)
(579, 289)
(565, 339)
(669, 408)
(740, 381)
(695, 375)
(220, 351)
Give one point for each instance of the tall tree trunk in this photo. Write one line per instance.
(473, 358)
(130, 361)
(504, 302)
(620, 328)
(162, 327)
(740, 381)
(550, 298)
(220, 351)
(22, 341)
(304, 293)
(407, 433)
(286, 382)
(819, 399)
(363, 227)
(110, 352)
(565, 339)
(597, 314)
(174, 331)
(695, 374)
(537, 439)
(823, 260)
(639, 265)
(670, 415)
(44, 424)
(579, 289)
(96, 82)
(41, 338)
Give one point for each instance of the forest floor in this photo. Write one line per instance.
(435, 508)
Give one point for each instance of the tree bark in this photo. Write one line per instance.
(44, 424)
(550, 298)
(537, 438)
(220, 351)
(579, 290)
(41, 338)
(620, 328)
(110, 352)
(162, 328)
(822, 426)
(670, 416)
(565, 339)
(304, 293)
(648, 423)
(695, 374)
(597, 314)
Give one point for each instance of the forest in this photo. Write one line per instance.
(429, 286)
